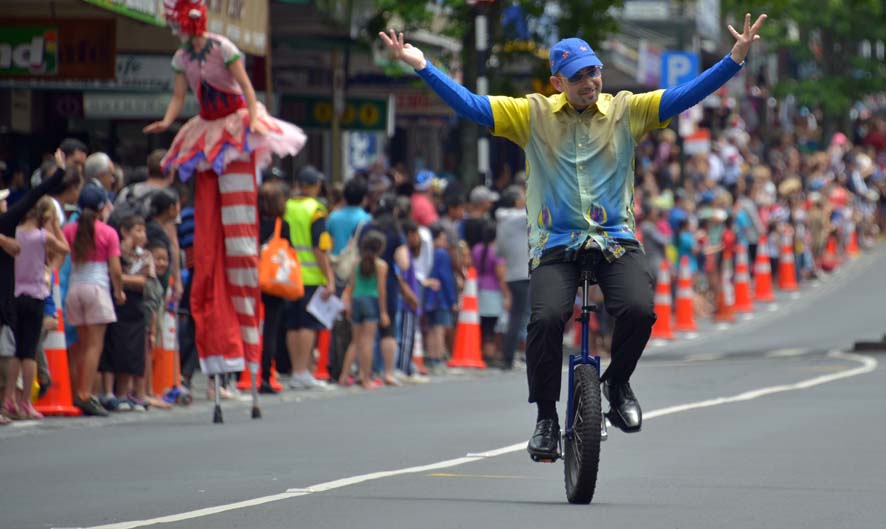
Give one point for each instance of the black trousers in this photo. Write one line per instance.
(627, 289)
(273, 324)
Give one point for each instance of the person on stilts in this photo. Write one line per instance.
(223, 147)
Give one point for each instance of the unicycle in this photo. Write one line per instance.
(585, 423)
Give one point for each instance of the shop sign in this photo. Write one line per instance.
(99, 105)
(316, 112)
(29, 50)
(150, 11)
(103, 105)
(134, 73)
(58, 48)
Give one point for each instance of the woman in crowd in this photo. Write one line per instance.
(38, 235)
(95, 273)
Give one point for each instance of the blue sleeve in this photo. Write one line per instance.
(465, 103)
(677, 99)
(449, 283)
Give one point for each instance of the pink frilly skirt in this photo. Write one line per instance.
(203, 144)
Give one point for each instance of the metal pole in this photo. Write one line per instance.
(481, 34)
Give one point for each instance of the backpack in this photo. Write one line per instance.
(279, 272)
(345, 262)
(130, 206)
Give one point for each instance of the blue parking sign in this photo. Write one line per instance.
(678, 67)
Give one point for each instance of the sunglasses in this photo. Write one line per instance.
(592, 73)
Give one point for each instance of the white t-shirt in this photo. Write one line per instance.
(425, 260)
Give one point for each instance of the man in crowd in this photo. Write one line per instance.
(307, 218)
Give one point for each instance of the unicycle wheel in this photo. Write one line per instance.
(582, 451)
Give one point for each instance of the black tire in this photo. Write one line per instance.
(582, 452)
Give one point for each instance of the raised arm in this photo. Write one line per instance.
(16, 212)
(677, 99)
(465, 103)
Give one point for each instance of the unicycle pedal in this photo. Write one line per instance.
(547, 457)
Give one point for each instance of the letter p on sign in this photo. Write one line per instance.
(678, 67)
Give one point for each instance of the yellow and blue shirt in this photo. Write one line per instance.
(580, 165)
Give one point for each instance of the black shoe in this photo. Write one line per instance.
(44, 388)
(624, 410)
(545, 441)
(266, 388)
(91, 407)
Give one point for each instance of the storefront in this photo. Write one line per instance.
(99, 70)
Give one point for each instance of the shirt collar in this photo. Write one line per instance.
(602, 104)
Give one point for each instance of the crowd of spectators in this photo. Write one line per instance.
(398, 249)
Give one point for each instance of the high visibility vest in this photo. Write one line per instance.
(300, 213)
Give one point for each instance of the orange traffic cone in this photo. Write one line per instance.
(726, 296)
(245, 383)
(418, 354)
(163, 361)
(662, 328)
(830, 260)
(852, 248)
(787, 273)
(685, 307)
(763, 273)
(743, 301)
(466, 350)
(58, 400)
(576, 332)
(322, 370)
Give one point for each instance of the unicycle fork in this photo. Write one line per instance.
(585, 423)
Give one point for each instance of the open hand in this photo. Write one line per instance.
(60, 159)
(156, 127)
(257, 127)
(744, 40)
(403, 51)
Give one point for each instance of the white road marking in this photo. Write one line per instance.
(783, 353)
(868, 365)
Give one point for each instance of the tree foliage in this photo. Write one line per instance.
(820, 44)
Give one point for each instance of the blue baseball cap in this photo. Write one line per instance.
(571, 55)
(93, 197)
(424, 179)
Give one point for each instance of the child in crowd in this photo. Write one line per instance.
(410, 301)
(95, 271)
(157, 297)
(366, 297)
(37, 235)
(494, 296)
(50, 323)
(125, 338)
(440, 303)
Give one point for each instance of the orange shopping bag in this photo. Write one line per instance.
(279, 272)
